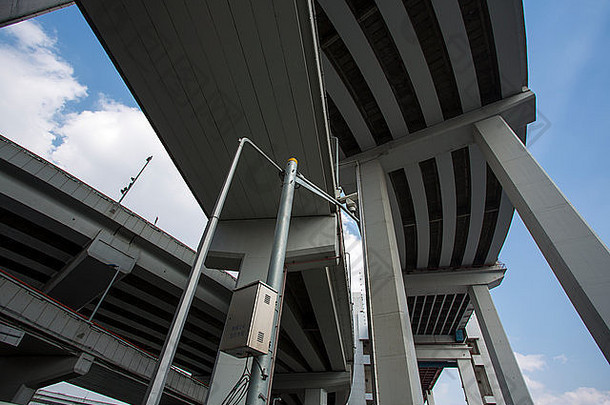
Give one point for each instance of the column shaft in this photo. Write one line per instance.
(316, 397)
(579, 259)
(469, 382)
(394, 359)
(509, 375)
(430, 397)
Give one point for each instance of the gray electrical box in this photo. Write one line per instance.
(249, 322)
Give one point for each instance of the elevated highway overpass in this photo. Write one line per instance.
(59, 238)
(430, 106)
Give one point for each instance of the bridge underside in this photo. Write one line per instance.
(62, 249)
(428, 100)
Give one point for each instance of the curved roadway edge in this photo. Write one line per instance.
(31, 310)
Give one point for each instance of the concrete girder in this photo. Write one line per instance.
(160, 254)
(38, 314)
(355, 40)
(37, 244)
(448, 135)
(155, 333)
(442, 352)
(320, 290)
(296, 333)
(89, 273)
(346, 105)
(296, 382)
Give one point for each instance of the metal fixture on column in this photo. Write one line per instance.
(260, 380)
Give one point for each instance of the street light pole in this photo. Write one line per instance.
(125, 190)
(164, 363)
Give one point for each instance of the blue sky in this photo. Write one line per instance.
(79, 92)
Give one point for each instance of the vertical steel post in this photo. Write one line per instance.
(262, 375)
(157, 383)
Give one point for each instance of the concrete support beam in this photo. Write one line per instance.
(311, 241)
(509, 375)
(449, 352)
(320, 290)
(469, 382)
(579, 259)
(22, 376)
(456, 281)
(394, 359)
(295, 382)
(88, 274)
(448, 135)
(316, 396)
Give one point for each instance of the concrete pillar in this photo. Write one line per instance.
(316, 397)
(474, 331)
(469, 382)
(24, 395)
(579, 259)
(395, 367)
(430, 398)
(507, 370)
(23, 375)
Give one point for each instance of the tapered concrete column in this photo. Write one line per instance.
(316, 397)
(469, 382)
(474, 331)
(507, 370)
(430, 398)
(579, 259)
(393, 349)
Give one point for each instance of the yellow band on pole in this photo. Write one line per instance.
(294, 159)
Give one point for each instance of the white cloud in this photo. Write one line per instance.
(103, 147)
(562, 358)
(448, 389)
(580, 396)
(543, 395)
(35, 83)
(530, 362)
(106, 147)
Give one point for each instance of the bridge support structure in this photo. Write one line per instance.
(512, 384)
(395, 369)
(579, 259)
(316, 397)
(23, 375)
